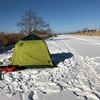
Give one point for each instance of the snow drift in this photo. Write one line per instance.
(74, 73)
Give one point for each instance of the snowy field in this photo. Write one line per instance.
(77, 76)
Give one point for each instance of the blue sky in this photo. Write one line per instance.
(62, 15)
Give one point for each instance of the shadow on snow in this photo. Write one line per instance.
(60, 57)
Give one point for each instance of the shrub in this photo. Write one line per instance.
(8, 39)
(13, 38)
(93, 33)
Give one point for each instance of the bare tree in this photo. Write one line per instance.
(31, 22)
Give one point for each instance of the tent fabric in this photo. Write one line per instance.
(31, 51)
(31, 37)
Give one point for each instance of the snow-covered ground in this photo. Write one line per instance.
(77, 76)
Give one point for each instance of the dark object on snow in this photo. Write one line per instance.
(0, 75)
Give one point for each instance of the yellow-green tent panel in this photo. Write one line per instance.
(31, 53)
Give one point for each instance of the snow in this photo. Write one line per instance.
(77, 76)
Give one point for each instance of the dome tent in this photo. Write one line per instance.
(31, 51)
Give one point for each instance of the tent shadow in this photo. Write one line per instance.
(60, 57)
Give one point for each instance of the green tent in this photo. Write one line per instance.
(31, 51)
